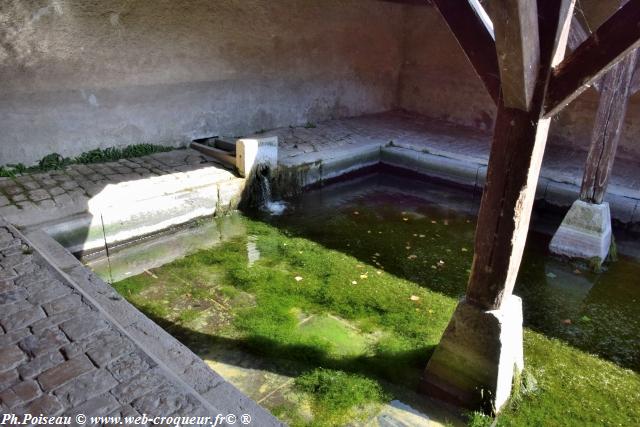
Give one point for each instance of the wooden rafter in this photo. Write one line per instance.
(517, 42)
(618, 36)
(577, 36)
(476, 41)
(635, 83)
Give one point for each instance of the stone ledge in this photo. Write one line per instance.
(169, 354)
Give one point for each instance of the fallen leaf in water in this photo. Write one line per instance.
(298, 278)
(151, 274)
(414, 298)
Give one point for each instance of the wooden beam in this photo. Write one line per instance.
(475, 355)
(411, 2)
(515, 24)
(514, 165)
(476, 41)
(635, 84)
(577, 35)
(618, 36)
(607, 129)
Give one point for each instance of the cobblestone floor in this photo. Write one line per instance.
(60, 356)
(68, 191)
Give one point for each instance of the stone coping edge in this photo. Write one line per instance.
(625, 205)
(185, 367)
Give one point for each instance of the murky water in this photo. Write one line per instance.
(386, 219)
(382, 230)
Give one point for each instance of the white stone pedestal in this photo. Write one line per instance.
(251, 152)
(478, 355)
(585, 232)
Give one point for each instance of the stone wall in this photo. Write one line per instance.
(437, 81)
(82, 74)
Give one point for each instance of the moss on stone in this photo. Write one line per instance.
(394, 306)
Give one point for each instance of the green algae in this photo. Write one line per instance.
(367, 289)
(338, 397)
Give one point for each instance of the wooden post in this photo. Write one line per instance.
(516, 31)
(585, 232)
(519, 140)
(614, 95)
(481, 348)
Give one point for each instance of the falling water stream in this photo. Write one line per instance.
(267, 204)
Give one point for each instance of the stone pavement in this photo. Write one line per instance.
(442, 150)
(34, 198)
(418, 133)
(86, 206)
(62, 355)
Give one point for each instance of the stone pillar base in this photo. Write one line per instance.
(478, 355)
(585, 232)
